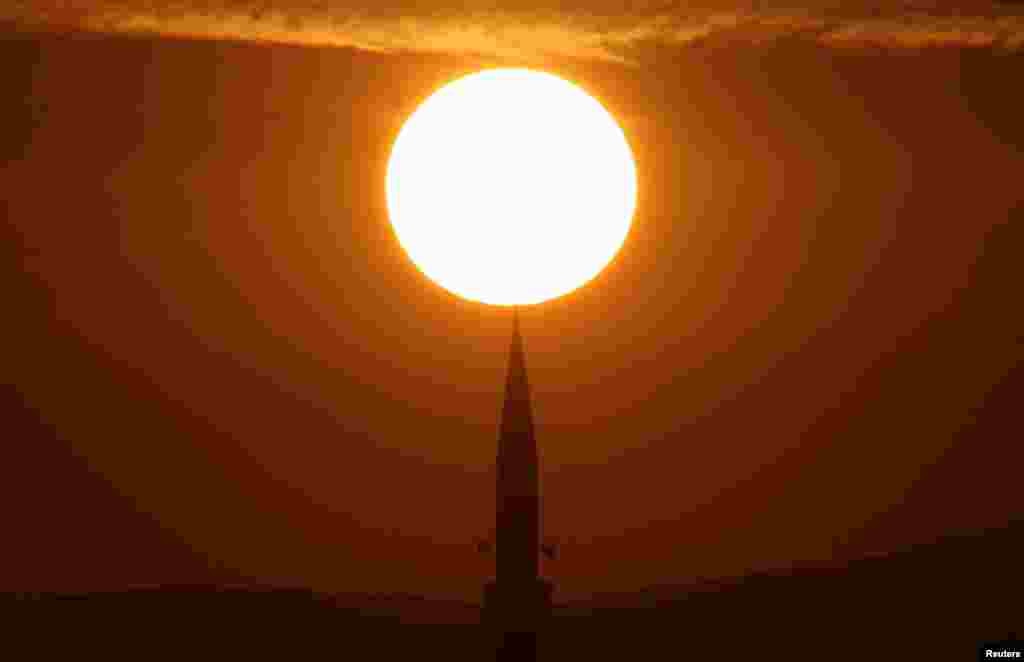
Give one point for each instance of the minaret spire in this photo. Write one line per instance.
(518, 599)
(518, 514)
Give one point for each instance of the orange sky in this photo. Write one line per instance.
(531, 29)
(218, 355)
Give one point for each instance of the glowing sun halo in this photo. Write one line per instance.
(511, 187)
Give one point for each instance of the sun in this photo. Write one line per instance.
(511, 187)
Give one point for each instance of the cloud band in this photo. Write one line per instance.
(527, 31)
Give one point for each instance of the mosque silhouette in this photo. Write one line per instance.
(517, 602)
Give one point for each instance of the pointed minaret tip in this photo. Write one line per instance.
(518, 597)
(517, 359)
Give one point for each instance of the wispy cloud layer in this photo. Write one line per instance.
(620, 31)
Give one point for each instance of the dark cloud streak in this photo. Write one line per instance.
(533, 29)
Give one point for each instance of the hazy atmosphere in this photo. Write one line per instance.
(221, 367)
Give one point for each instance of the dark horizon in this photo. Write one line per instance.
(944, 600)
(998, 545)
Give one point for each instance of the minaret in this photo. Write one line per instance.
(518, 600)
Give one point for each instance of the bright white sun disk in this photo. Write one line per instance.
(511, 187)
